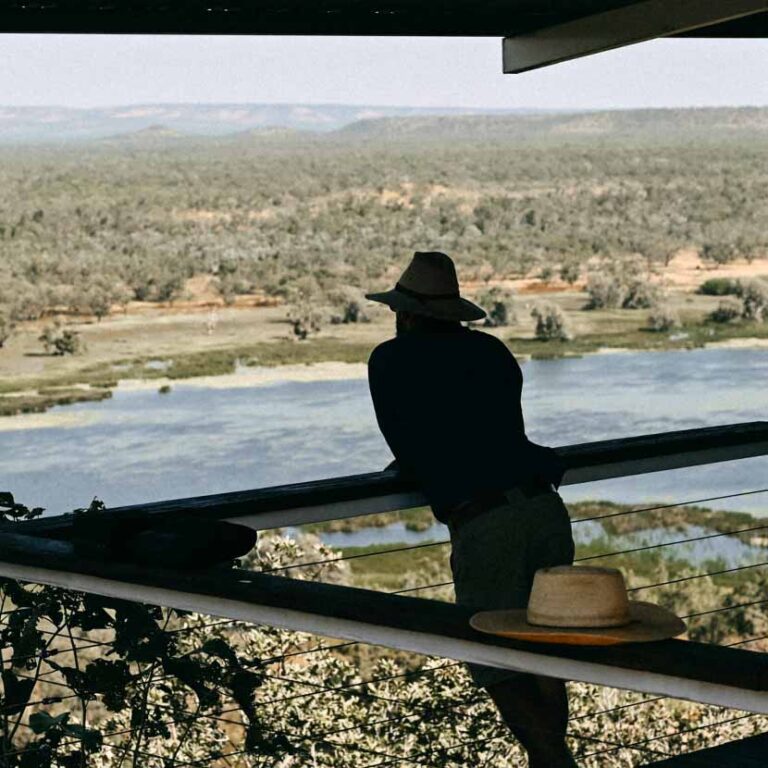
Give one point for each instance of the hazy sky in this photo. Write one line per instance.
(73, 70)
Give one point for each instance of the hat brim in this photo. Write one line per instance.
(648, 623)
(441, 309)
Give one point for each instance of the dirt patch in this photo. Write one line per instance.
(687, 271)
(203, 216)
(529, 285)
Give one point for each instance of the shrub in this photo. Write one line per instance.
(570, 272)
(349, 305)
(60, 342)
(663, 318)
(641, 295)
(304, 320)
(351, 312)
(719, 286)
(499, 314)
(727, 311)
(151, 664)
(605, 291)
(754, 297)
(304, 296)
(546, 274)
(550, 323)
(499, 305)
(6, 328)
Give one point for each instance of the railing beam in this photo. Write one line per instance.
(727, 677)
(376, 492)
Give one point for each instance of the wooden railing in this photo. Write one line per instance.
(39, 551)
(367, 494)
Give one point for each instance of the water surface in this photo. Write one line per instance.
(142, 446)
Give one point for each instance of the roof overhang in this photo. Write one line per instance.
(634, 23)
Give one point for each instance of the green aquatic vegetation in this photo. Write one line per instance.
(416, 519)
(29, 394)
(37, 403)
(688, 336)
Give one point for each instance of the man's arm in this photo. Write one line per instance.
(544, 462)
(389, 405)
(509, 378)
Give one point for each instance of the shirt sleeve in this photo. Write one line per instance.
(390, 408)
(543, 462)
(510, 379)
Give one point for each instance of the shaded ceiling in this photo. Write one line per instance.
(471, 18)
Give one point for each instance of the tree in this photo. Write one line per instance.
(570, 272)
(99, 303)
(7, 326)
(499, 306)
(719, 252)
(728, 311)
(662, 319)
(59, 342)
(303, 314)
(348, 304)
(605, 291)
(159, 662)
(641, 294)
(754, 297)
(550, 323)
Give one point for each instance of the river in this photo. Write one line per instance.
(141, 445)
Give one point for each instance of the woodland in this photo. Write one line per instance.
(85, 227)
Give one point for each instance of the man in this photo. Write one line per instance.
(447, 401)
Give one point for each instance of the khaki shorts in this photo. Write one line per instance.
(495, 555)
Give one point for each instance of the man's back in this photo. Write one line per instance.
(448, 404)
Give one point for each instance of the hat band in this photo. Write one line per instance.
(424, 296)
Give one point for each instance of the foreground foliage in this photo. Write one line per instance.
(94, 682)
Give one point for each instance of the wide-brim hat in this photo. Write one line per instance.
(578, 605)
(429, 286)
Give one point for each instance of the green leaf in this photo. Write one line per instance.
(221, 648)
(17, 692)
(40, 722)
(91, 739)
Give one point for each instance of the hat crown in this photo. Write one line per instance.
(578, 597)
(431, 273)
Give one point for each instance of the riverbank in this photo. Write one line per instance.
(615, 520)
(721, 541)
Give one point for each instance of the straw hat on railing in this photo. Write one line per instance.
(578, 605)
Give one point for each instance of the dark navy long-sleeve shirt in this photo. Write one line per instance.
(448, 405)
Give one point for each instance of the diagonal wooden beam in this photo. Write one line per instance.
(631, 24)
(727, 677)
(751, 752)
